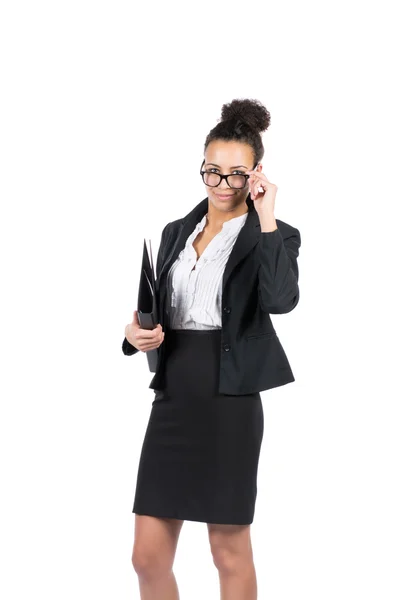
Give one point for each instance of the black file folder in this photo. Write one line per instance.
(147, 301)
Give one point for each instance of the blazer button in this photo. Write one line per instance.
(227, 309)
(227, 347)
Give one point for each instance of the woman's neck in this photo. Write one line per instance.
(215, 221)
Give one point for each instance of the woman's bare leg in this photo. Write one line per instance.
(233, 556)
(154, 549)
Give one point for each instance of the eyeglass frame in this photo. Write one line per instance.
(224, 177)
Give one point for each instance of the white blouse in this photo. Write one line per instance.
(194, 296)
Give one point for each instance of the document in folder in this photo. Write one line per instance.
(147, 301)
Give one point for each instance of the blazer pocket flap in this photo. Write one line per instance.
(268, 334)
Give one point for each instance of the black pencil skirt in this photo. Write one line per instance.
(201, 449)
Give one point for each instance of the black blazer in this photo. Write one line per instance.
(260, 278)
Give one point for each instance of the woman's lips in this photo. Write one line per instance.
(224, 197)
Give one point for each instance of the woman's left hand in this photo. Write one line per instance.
(262, 192)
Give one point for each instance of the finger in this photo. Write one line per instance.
(146, 346)
(149, 334)
(150, 344)
(150, 340)
(260, 175)
(260, 185)
(145, 334)
(254, 185)
(251, 188)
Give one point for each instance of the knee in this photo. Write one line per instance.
(229, 561)
(231, 550)
(149, 564)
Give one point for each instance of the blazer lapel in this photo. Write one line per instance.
(246, 240)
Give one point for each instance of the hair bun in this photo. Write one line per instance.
(252, 112)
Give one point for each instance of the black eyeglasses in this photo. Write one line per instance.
(211, 179)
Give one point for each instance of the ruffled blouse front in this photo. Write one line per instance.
(194, 286)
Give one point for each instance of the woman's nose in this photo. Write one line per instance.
(223, 184)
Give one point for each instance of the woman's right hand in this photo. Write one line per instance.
(143, 339)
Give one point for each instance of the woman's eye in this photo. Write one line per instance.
(236, 171)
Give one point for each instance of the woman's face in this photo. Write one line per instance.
(228, 158)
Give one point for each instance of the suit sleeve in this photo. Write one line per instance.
(127, 348)
(278, 275)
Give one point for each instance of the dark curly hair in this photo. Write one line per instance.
(242, 120)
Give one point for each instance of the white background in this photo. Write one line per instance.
(102, 105)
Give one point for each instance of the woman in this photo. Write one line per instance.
(220, 271)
